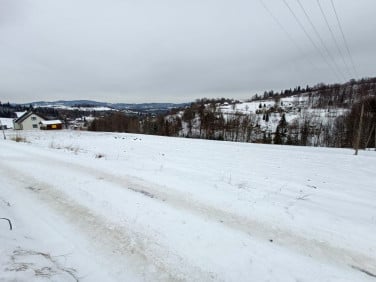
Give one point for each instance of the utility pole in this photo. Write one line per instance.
(1, 125)
(359, 130)
(370, 136)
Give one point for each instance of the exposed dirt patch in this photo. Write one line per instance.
(42, 264)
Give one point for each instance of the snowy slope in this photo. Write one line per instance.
(255, 121)
(119, 207)
(294, 108)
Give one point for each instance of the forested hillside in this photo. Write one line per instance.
(322, 115)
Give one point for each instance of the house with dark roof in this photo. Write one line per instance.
(27, 121)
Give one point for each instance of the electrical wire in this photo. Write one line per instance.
(330, 55)
(333, 37)
(310, 39)
(344, 38)
(288, 34)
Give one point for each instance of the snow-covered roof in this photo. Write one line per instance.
(20, 114)
(25, 116)
(49, 122)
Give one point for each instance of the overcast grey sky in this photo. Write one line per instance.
(177, 50)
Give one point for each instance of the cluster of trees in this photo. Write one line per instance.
(210, 123)
(116, 122)
(346, 128)
(145, 124)
(202, 120)
(341, 132)
(206, 121)
(8, 110)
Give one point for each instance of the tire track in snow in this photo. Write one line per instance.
(147, 256)
(307, 246)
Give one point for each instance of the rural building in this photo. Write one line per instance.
(51, 124)
(28, 121)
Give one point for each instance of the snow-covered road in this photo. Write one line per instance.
(120, 207)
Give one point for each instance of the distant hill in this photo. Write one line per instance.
(143, 107)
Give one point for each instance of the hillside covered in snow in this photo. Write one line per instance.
(88, 206)
(324, 115)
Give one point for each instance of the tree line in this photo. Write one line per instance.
(205, 119)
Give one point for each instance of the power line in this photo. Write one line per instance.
(310, 38)
(331, 57)
(279, 23)
(344, 38)
(291, 38)
(333, 37)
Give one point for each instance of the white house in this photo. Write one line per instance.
(28, 121)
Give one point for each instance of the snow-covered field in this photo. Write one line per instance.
(7, 122)
(120, 207)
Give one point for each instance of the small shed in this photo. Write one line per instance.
(51, 124)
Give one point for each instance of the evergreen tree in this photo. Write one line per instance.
(278, 136)
(281, 131)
